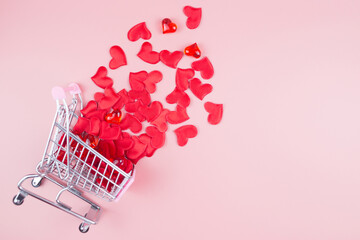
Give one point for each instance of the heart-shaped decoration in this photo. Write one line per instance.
(139, 31)
(137, 151)
(113, 117)
(109, 99)
(160, 122)
(205, 67)
(151, 112)
(215, 112)
(136, 80)
(123, 143)
(124, 98)
(194, 16)
(81, 125)
(178, 116)
(118, 57)
(147, 54)
(95, 125)
(193, 50)
(182, 78)
(143, 96)
(151, 80)
(90, 106)
(101, 79)
(179, 97)
(139, 117)
(157, 137)
(170, 59)
(184, 133)
(198, 89)
(109, 132)
(100, 114)
(98, 96)
(168, 26)
(133, 107)
(146, 139)
(130, 122)
(107, 149)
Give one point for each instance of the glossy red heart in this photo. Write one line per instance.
(81, 125)
(157, 137)
(130, 122)
(139, 31)
(205, 67)
(179, 97)
(95, 125)
(194, 16)
(143, 96)
(146, 139)
(160, 122)
(170, 59)
(182, 78)
(109, 99)
(177, 116)
(168, 26)
(136, 80)
(184, 133)
(151, 112)
(198, 89)
(101, 79)
(215, 112)
(137, 151)
(109, 132)
(118, 57)
(90, 106)
(147, 54)
(124, 98)
(193, 50)
(151, 80)
(114, 116)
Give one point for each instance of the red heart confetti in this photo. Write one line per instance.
(194, 16)
(160, 121)
(147, 54)
(122, 144)
(179, 97)
(139, 31)
(100, 114)
(81, 125)
(178, 116)
(109, 99)
(143, 96)
(182, 78)
(136, 80)
(118, 57)
(193, 51)
(170, 59)
(151, 112)
(215, 112)
(101, 79)
(98, 96)
(137, 151)
(90, 106)
(108, 132)
(151, 80)
(124, 98)
(146, 139)
(198, 89)
(157, 137)
(184, 133)
(168, 26)
(205, 67)
(95, 125)
(130, 122)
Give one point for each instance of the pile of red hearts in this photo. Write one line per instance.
(113, 121)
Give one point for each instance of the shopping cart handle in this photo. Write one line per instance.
(73, 88)
(58, 93)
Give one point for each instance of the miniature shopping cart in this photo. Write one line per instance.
(72, 164)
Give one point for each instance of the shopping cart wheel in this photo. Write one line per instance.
(36, 182)
(18, 199)
(84, 228)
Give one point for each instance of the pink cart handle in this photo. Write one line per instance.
(74, 88)
(58, 93)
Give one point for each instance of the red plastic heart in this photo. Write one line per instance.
(147, 54)
(215, 112)
(95, 125)
(109, 132)
(113, 117)
(146, 139)
(194, 16)
(193, 51)
(178, 116)
(151, 112)
(205, 67)
(160, 122)
(198, 89)
(101, 79)
(170, 59)
(179, 97)
(151, 80)
(139, 31)
(118, 57)
(90, 106)
(182, 78)
(143, 96)
(157, 137)
(168, 26)
(184, 133)
(137, 151)
(130, 122)
(109, 99)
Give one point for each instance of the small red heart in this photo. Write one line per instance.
(124, 98)
(130, 122)
(123, 143)
(194, 16)
(143, 96)
(95, 125)
(179, 97)
(100, 114)
(136, 80)
(147, 54)
(139, 117)
(146, 139)
(81, 125)
(160, 121)
(168, 26)
(107, 149)
(101, 79)
(193, 51)
(98, 96)
(137, 151)
(109, 132)
(170, 59)
(178, 116)
(205, 67)
(118, 57)
(151, 112)
(133, 107)
(109, 99)
(157, 137)
(113, 117)
(139, 31)
(215, 112)
(151, 80)
(198, 89)
(184, 133)
(90, 106)
(182, 78)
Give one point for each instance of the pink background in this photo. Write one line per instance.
(283, 163)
